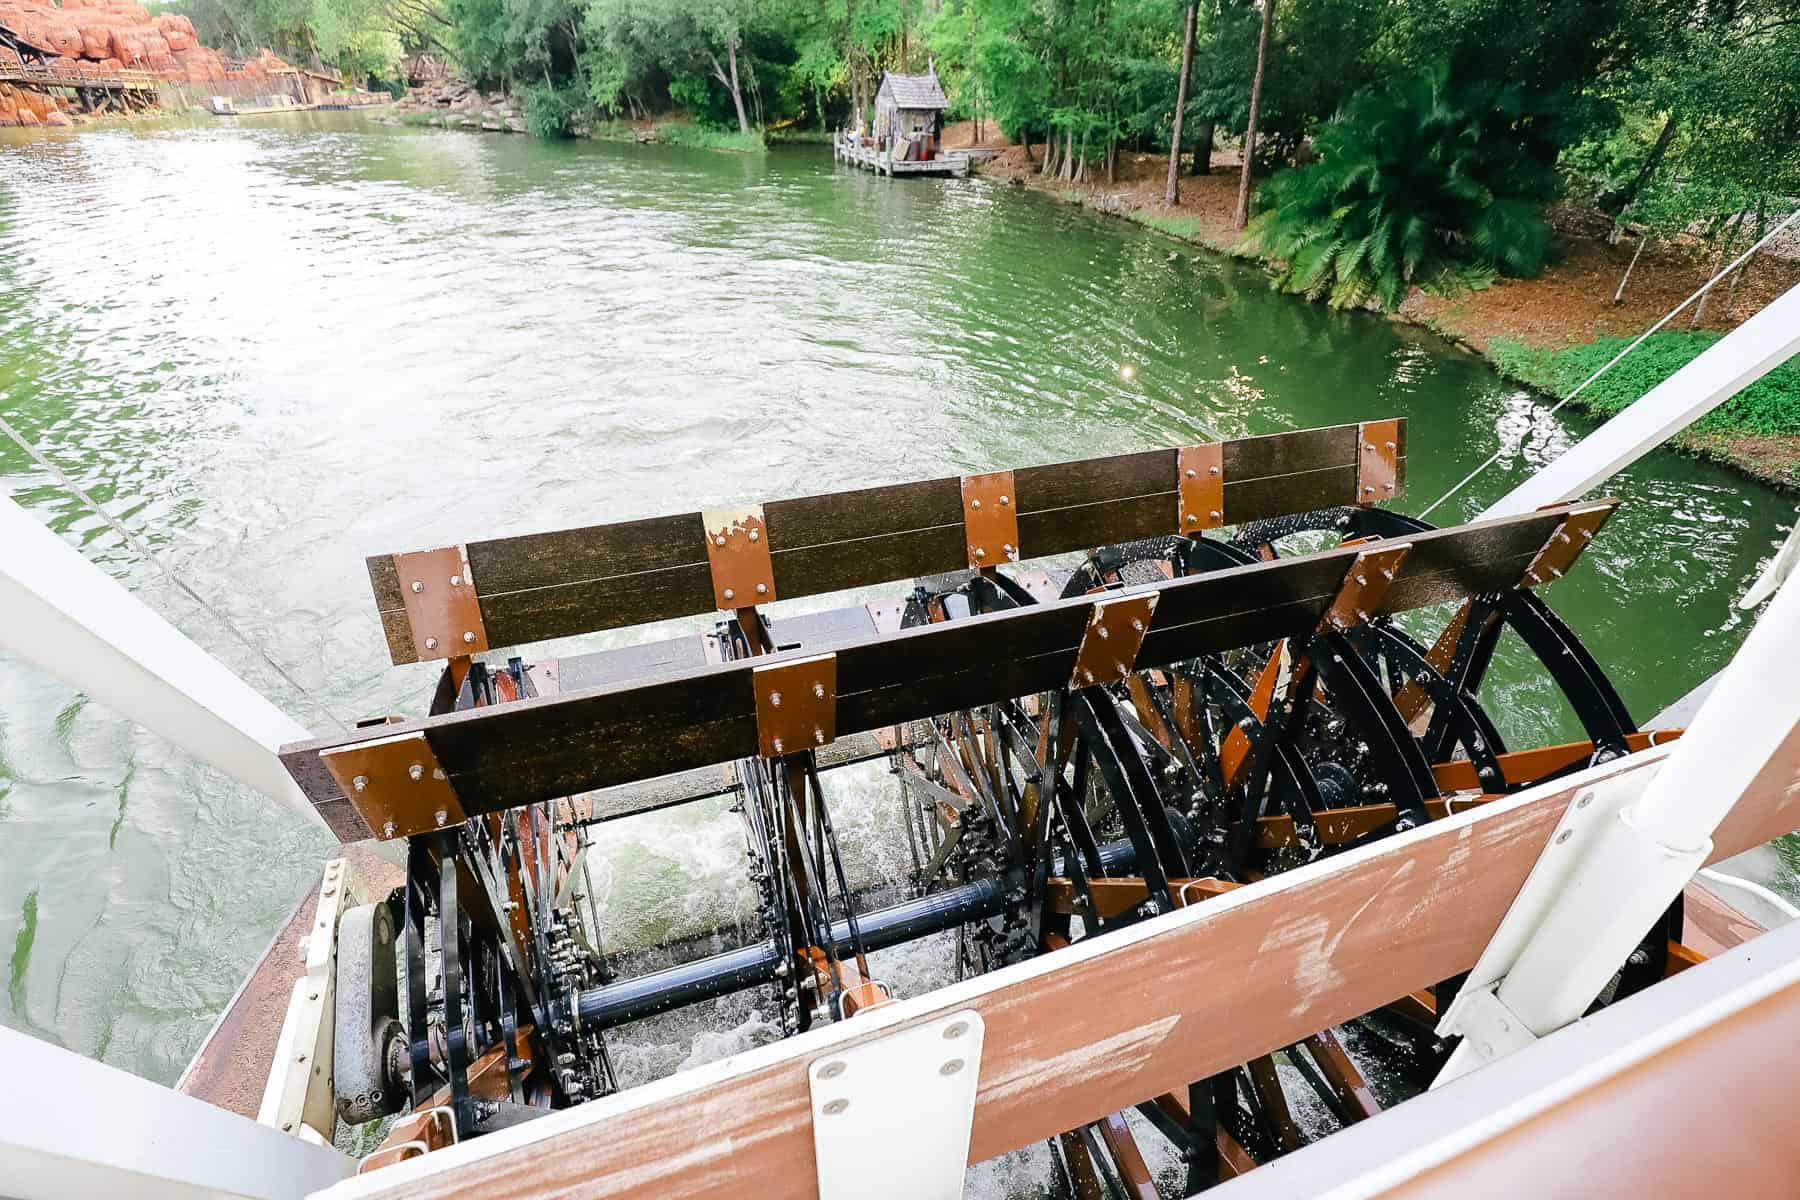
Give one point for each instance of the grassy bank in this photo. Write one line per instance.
(1547, 333)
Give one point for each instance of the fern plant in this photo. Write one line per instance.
(1416, 184)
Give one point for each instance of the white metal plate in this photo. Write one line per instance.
(1592, 809)
(891, 1117)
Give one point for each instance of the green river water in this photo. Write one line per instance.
(274, 347)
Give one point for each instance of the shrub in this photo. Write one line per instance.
(1770, 407)
(1417, 184)
(553, 112)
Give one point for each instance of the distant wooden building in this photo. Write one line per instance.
(910, 108)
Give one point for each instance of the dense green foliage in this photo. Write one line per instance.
(1417, 184)
(1770, 406)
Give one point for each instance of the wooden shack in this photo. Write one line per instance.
(909, 114)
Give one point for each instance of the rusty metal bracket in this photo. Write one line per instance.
(1365, 586)
(1377, 461)
(396, 784)
(796, 705)
(990, 519)
(1110, 643)
(1563, 547)
(442, 609)
(737, 549)
(1200, 480)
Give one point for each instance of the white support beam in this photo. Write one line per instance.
(70, 1126)
(1725, 368)
(1620, 857)
(69, 617)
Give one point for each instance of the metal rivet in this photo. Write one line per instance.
(1192, 519)
(1586, 799)
(1191, 473)
(1216, 515)
(1137, 625)
(956, 1030)
(360, 782)
(1368, 445)
(1005, 499)
(1563, 836)
(755, 535)
(1368, 491)
(469, 639)
(974, 504)
(1387, 572)
(443, 817)
(729, 593)
(778, 745)
(387, 830)
(980, 553)
(831, 1070)
(951, 1067)
(835, 1107)
(437, 772)
(1362, 580)
(1007, 546)
(417, 586)
(818, 737)
(431, 643)
(775, 699)
(1391, 446)
(1212, 470)
(312, 995)
(416, 772)
(819, 690)
(456, 581)
(762, 589)
(1102, 631)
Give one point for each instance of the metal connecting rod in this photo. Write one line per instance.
(69, 617)
(1733, 363)
(1575, 921)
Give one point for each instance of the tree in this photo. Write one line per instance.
(1417, 184)
(1172, 189)
(1242, 215)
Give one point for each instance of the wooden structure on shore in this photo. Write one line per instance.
(864, 154)
(97, 89)
(909, 123)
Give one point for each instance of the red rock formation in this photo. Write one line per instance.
(101, 37)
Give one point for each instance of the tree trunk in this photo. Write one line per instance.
(1049, 166)
(1203, 148)
(1618, 203)
(737, 93)
(1619, 295)
(1172, 189)
(1725, 240)
(1112, 161)
(1242, 217)
(1761, 221)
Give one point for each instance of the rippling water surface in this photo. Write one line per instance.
(272, 349)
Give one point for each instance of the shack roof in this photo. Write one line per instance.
(914, 91)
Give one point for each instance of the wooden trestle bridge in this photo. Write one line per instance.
(98, 89)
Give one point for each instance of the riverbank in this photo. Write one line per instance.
(1569, 305)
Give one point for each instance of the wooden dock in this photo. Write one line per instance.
(883, 162)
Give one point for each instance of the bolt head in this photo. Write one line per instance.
(1191, 473)
(456, 581)
(387, 829)
(416, 772)
(469, 638)
(730, 594)
(818, 737)
(417, 586)
(819, 690)
(360, 783)
(775, 699)
(974, 504)
(762, 589)
(431, 643)
(1368, 445)
(1192, 519)
(1005, 499)
(834, 1107)
(778, 746)
(755, 535)
(980, 553)
(443, 817)
(951, 1067)
(1102, 631)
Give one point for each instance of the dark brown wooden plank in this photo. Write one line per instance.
(515, 618)
(1094, 480)
(863, 513)
(1290, 453)
(537, 560)
(1092, 1030)
(580, 740)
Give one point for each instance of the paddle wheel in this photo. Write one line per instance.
(1245, 664)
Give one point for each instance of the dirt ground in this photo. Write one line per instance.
(1571, 302)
